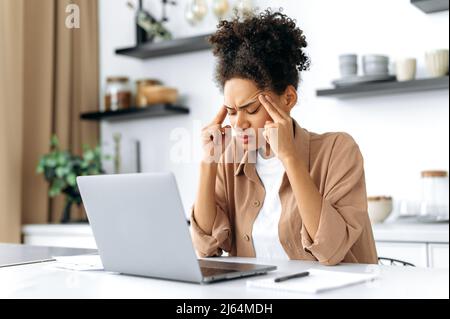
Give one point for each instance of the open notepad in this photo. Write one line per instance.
(317, 281)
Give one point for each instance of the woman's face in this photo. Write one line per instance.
(246, 113)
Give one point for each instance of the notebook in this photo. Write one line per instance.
(78, 263)
(317, 281)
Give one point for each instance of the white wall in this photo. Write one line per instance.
(399, 135)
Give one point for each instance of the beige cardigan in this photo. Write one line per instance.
(336, 166)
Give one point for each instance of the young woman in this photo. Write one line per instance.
(278, 191)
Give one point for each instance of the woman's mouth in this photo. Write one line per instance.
(245, 138)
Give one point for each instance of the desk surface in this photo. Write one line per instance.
(23, 254)
(44, 281)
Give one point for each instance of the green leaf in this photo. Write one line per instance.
(54, 142)
(54, 191)
(50, 162)
(88, 155)
(62, 158)
(60, 171)
(71, 179)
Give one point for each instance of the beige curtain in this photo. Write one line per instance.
(59, 68)
(11, 115)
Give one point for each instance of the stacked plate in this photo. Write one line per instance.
(375, 69)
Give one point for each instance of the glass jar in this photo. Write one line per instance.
(434, 205)
(117, 93)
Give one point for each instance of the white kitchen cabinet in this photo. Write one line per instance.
(434, 255)
(438, 255)
(414, 253)
(72, 236)
(424, 245)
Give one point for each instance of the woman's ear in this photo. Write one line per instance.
(290, 97)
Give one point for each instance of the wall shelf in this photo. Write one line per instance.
(384, 88)
(136, 113)
(430, 6)
(165, 48)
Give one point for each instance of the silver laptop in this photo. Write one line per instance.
(141, 229)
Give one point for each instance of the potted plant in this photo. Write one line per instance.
(61, 168)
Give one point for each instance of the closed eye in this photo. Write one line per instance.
(232, 111)
(255, 111)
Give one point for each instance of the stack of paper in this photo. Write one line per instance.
(317, 281)
(80, 263)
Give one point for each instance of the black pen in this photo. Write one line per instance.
(299, 275)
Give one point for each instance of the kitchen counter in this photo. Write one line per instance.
(395, 231)
(403, 231)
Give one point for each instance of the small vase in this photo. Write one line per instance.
(66, 213)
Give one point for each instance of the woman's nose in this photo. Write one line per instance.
(241, 121)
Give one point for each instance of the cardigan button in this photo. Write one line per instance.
(256, 203)
(246, 237)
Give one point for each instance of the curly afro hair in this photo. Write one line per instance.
(267, 48)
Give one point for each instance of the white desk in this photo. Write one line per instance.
(42, 281)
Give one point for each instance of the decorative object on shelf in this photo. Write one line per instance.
(375, 64)
(158, 94)
(244, 7)
(61, 168)
(126, 154)
(141, 99)
(220, 8)
(117, 93)
(348, 65)
(405, 69)
(375, 69)
(379, 208)
(117, 158)
(437, 62)
(435, 198)
(196, 11)
(148, 28)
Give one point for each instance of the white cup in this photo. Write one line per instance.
(437, 62)
(406, 69)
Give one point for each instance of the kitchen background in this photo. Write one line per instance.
(399, 135)
(51, 73)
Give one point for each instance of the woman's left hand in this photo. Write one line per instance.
(279, 132)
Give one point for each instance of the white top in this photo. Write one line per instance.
(265, 229)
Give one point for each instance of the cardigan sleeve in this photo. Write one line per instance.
(213, 245)
(344, 204)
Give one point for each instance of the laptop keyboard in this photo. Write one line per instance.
(209, 272)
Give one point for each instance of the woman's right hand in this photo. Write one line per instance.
(214, 138)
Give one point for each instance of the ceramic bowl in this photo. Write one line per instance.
(379, 207)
